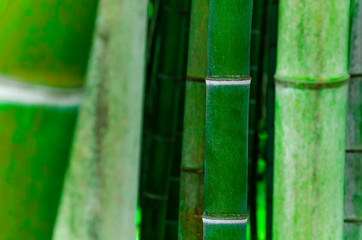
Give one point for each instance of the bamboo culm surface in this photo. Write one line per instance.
(270, 50)
(256, 73)
(193, 147)
(353, 180)
(44, 49)
(227, 108)
(310, 133)
(100, 192)
(171, 69)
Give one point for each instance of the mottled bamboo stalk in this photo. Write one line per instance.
(227, 113)
(100, 193)
(353, 180)
(310, 123)
(171, 69)
(193, 148)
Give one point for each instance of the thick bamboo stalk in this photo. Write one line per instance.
(42, 43)
(193, 148)
(227, 108)
(100, 193)
(310, 124)
(36, 126)
(353, 184)
(173, 35)
(46, 42)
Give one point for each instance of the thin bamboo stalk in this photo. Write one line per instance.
(353, 180)
(193, 148)
(256, 68)
(310, 132)
(100, 193)
(173, 34)
(271, 42)
(227, 108)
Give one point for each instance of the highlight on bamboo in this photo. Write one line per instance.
(181, 119)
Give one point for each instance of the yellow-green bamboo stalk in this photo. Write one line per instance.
(100, 193)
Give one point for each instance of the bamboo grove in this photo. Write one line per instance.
(181, 119)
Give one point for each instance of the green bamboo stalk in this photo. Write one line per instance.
(193, 148)
(36, 126)
(353, 180)
(52, 37)
(310, 132)
(255, 108)
(270, 66)
(37, 120)
(227, 108)
(171, 69)
(100, 193)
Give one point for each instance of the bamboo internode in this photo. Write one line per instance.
(227, 108)
(310, 109)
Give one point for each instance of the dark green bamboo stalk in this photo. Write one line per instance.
(193, 147)
(353, 184)
(173, 203)
(227, 108)
(171, 69)
(256, 68)
(270, 65)
(100, 193)
(44, 49)
(310, 124)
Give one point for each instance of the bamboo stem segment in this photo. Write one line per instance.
(311, 103)
(100, 191)
(353, 179)
(193, 154)
(227, 108)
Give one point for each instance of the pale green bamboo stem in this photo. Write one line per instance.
(311, 103)
(100, 193)
(353, 184)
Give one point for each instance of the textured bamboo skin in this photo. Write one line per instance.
(100, 193)
(35, 143)
(193, 154)
(311, 103)
(47, 42)
(227, 108)
(171, 69)
(353, 180)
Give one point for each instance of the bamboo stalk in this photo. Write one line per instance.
(100, 193)
(171, 69)
(310, 132)
(193, 153)
(353, 180)
(36, 126)
(271, 42)
(52, 37)
(227, 106)
(37, 115)
(255, 109)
